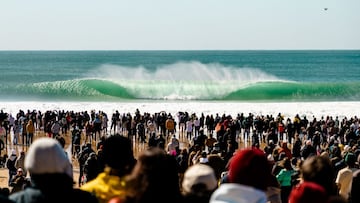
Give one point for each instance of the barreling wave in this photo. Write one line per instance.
(104, 90)
(80, 89)
(183, 81)
(297, 91)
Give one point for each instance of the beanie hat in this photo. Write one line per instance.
(117, 152)
(308, 192)
(199, 174)
(250, 167)
(46, 156)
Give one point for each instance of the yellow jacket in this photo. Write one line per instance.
(30, 128)
(169, 124)
(106, 186)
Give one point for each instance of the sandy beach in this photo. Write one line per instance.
(288, 110)
(137, 147)
(4, 172)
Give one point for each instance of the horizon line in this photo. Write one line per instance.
(1, 50)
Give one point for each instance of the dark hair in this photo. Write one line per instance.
(318, 169)
(118, 154)
(286, 163)
(61, 140)
(154, 178)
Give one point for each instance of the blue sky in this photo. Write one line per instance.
(179, 25)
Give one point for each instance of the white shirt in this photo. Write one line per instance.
(344, 178)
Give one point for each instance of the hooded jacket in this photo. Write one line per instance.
(237, 193)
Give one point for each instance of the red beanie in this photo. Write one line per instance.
(308, 192)
(250, 167)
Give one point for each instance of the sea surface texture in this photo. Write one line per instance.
(287, 76)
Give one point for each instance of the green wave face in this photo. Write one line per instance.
(107, 88)
(183, 81)
(86, 89)
(103, 90)
(298, 91)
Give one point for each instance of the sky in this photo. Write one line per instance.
(179, 24)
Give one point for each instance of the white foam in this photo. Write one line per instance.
(288, 109)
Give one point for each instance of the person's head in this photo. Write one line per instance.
(19, 171)
(155, 174)
(318, 169)
(308, 192)
(118, 154)
(286, 163)
(250, 167)
(350, 160)
(61, 140)
(46, 157)
(199, 180)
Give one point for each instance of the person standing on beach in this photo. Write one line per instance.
(23, 122)
(55, 129)
(51, 176)
(30, 130)
(2, 135)
(11, 120)
(82, 157)
(153, 179)
(248, 179)
(119, 161)
(284, 178)
(344, 177)
(17, 130)
(170, 126)
(114, 119)
(20, 163)
(10, 165)
(189, 129)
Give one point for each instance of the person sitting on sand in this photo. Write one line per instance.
(18, 182)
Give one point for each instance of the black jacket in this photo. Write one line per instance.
(55, 188)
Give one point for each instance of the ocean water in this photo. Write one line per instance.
(180, 75)
(310, 83)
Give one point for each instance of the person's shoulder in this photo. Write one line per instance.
(28, 193)
(98, 182)
(90, 186)
(4, 199)
(83, 196)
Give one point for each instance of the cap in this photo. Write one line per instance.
(199, 174)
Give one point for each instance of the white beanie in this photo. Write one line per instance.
(46, 156)
(199, 174)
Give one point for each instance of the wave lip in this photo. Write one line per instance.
(182, 80)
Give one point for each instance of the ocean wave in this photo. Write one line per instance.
(183, 81)
(298, 91)
(105, 90)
